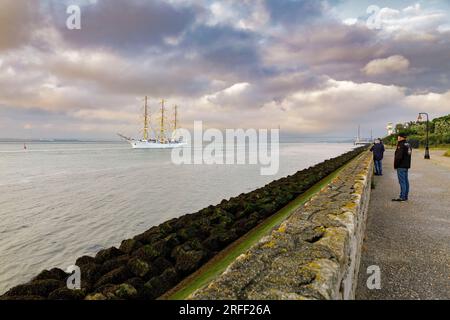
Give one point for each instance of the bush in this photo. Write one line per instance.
(415, 143)
(435, 140)
(439, 133)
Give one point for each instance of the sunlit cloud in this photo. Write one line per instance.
(259, 63)
(392, 64)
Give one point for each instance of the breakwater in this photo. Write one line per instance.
(314, 254)
(153, 262)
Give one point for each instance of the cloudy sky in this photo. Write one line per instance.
(316, 68)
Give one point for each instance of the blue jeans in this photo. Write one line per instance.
(378, 167)
(404, 183)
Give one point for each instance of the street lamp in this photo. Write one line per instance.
(427, 145)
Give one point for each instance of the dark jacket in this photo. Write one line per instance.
(403, 155)
(378, 151)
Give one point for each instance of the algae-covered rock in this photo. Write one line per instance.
(177, 251)
(123, 291)
(90, 273)
(135, 282)
(170, 276)
(84, 260)
(157, 286)
(168, 226)
(241, 226)
(183, 221)
(171, 241)
(130, 245)
(216, 215)
(250, 224)
(66, 294)
(248, 208)
(149, 236)
(108, 290)
(267, 209)
(138, 267)
(95, 296)
(138, 284)
(147, 253)
(21, 298)
(161, 264)
(220, 238)
(126, 291)
(160, 248)
(107, 254)
(116, 276)
(187, 233)
(154, 288)
(212, 243)
(193, 244)
(114, 263)
(188, 261)
(232, 206)
(55, 274)
(205, 212)
(36, 288)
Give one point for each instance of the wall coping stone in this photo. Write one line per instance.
(314, 254)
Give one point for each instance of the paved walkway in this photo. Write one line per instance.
(410, 242)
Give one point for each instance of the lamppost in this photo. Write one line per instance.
(427, 145)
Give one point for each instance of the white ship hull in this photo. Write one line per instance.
(155, 145)
(161, 140)
(362, 142)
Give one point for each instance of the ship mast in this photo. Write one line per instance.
(162, 135)
(175, 124)
(145, 120)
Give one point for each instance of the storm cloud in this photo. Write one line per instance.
(260, 63)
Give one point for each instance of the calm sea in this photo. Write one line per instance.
(61, 201)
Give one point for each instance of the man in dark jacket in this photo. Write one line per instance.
(378, 154)
(402, 163)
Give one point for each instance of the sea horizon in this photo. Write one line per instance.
(60, 201)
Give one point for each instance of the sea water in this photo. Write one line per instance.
(59, 201)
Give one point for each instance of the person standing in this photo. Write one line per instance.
(378, 154)
(402, 163)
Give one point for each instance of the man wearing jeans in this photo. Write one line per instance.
(402, 163)
(378, 153)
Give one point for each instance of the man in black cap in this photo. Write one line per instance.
(378, 154)
(402, 163)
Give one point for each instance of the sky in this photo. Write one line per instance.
(314, 68)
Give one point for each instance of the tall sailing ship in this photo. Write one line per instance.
(160, 140)
(359, 141)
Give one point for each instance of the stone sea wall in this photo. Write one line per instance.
(148, 265)
(314, 254)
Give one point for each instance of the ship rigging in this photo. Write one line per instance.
(160, 140)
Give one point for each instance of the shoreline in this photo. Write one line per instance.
(153, 262)
(117, 212)
(213, 268)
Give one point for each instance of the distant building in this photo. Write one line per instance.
(390, 128)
